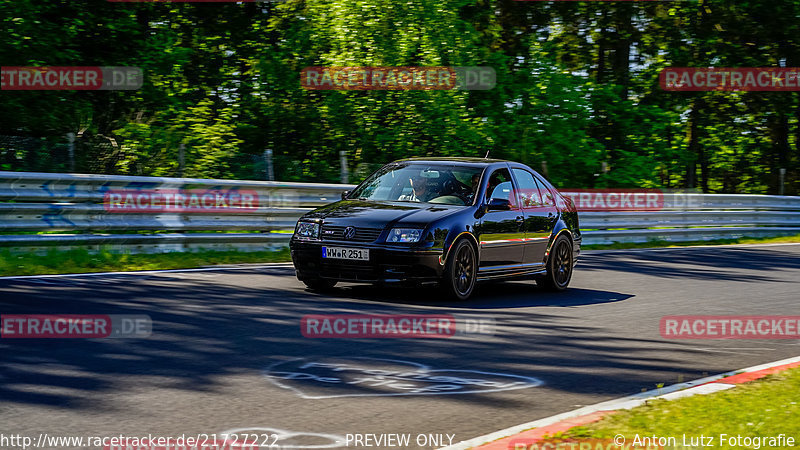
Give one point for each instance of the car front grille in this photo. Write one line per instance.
(336, 233)
(348, 271)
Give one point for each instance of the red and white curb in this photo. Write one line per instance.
(533, 431)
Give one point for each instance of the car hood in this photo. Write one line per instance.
(381, 214)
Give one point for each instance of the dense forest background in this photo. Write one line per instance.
(577, 93)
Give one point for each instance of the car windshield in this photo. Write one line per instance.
(424, 183)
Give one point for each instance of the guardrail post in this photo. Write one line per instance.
(269, 172)
(181, 159)
(345, 175)
(71, 151)
(782, 176)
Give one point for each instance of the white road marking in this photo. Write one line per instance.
(698, 390)
(274, 436)
(386, 380)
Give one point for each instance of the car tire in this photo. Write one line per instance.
(461, 270)
(319, 284)
(559, 266)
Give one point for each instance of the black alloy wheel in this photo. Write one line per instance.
(559, 266)
(462, 268)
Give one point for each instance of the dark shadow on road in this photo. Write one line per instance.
(704, 263)
(496, 295)
(209, 325)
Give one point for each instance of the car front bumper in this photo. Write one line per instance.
(390, 264)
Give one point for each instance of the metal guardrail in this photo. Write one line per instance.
(73, 204)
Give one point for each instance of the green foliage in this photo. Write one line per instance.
(577, 89)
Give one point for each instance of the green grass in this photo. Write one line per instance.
(655, 243)
(765, 407)
(82, 261)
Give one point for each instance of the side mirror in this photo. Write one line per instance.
(499, 204)
(344, 195)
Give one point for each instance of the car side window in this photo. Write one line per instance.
(500, 187)
(547, 196)
(528, 190)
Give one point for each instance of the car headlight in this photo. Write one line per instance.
(404, 235)
(307, 230)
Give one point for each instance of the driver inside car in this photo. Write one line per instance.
(474, 185)
(420, 191)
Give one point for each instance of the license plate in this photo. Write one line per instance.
(356, 254)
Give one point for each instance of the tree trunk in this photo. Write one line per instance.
(622, 48)
(694, 145)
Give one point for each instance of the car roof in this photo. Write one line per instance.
(459, 160)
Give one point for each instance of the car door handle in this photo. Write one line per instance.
(550, 215)
(520, 219)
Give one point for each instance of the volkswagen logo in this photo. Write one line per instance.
(349, 233)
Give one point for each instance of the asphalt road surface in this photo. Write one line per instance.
(227, 352)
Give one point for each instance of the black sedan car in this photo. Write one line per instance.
(453, 221)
